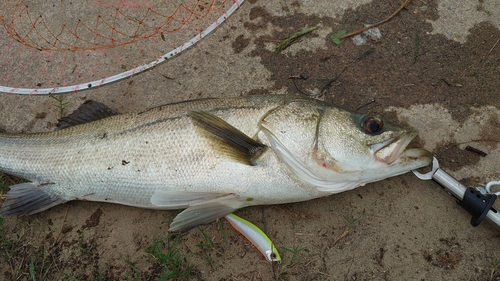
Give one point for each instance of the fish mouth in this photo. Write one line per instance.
(394, 149)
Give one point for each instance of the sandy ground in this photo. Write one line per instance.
(435, 68)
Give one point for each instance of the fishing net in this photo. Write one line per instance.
(61, 46)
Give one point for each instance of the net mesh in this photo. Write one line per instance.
(61, 43)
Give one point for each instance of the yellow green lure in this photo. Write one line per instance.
(258, 238)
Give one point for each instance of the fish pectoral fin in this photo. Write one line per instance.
(182, 199)
(294, 164)
(230, 141)
(205, 213)
(87, 112)
(28, 198)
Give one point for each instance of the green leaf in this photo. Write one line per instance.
(288, 41)
(336, 37)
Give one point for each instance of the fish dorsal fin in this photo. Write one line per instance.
(230, 141)
(88, 112)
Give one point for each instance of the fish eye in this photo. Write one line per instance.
(372, 124)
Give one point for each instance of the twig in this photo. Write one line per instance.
(405, 3)
(348, 269)
(489, 52)
(341, 38)
(347, 229)
(493, 47)
(326, 274)
(365, 104)
(475, 150)
(344, 234)
(297, 87)
(62, 226)
(330, 82)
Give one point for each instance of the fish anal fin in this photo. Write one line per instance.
(230, 141)
(205, 213)
(87, 112)
(27, 199)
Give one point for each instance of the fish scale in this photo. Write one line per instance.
(166, 158)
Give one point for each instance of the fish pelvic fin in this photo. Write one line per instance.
(182, 199)
(28, 198)
(205, 213)
(230, 141)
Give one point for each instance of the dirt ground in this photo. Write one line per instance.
(401, 228)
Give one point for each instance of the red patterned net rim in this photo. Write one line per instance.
(62, 46)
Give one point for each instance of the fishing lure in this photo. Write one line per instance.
(258, 238)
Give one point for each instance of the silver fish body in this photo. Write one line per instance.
(175, 156)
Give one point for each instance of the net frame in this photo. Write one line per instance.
(129, 73)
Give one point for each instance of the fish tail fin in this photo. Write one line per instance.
(28, 198)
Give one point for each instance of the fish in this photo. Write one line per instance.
(209, 157)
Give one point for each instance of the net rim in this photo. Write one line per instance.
(95, 84)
